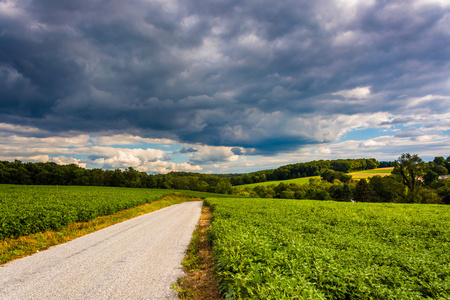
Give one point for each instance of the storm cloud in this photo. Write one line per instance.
(268, 76)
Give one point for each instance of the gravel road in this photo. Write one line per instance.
(135, 259)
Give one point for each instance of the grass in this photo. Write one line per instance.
(356, 175)
(302, 180)
(14, 248)
(370, 173)
(199, 281)
(291, 249)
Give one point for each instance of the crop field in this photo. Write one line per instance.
(371, 173)
(356, 175)
(291, 249)
(31, 209)
(302, 180)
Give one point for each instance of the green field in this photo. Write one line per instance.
(29, 209)
(303, 180)
(370, 173)
(376, 171)
(26, 209)
(290, 249)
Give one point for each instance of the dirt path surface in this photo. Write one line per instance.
(135, 259)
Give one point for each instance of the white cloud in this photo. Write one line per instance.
(9, 8)
(126, 157)
(362, 92)
(64, 160)
(421, 101)
(442, 3)
(165, 167)
(14, 145)
(372, 143)
(211, 154)
(127, 139)
(323, 150)
(10, 128)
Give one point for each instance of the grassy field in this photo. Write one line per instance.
(356, 175)
(26, 209)
(33, 218)
(290, 249)
(302, 180)
(29, 209)
(370, 173)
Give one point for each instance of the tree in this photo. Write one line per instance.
(363, 192)
(439, 161)
(410, 168)
(386, 189)
(441, 170)
(347, 194)
(444, 191)
(430, 177)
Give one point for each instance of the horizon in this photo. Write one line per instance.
(222, 87)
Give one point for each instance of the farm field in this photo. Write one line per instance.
(356, 175)
(371, 173)
(26, 209)
(302, 180)
(30, 209)
(290, 249)
(34, 218)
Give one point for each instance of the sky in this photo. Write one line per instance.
(222, 86)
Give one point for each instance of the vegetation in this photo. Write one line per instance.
(263, 248)
(308, 169)
(13, 248)
(298, 181)
(50, 173)
(31, 209)
(286, 249)
(423, 186)
(199, 281)
(377, 185)
(370, 173)
(410, 168)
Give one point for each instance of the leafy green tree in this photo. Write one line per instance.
(223, 187)
(444, 191)
(371, 163)
(386, 189)
(430, 176)
(331, 176)
(117, 179)
(347, 194)
(336, 191)
(439, 161)
(363, 191)
(410, 167)
(441, 170)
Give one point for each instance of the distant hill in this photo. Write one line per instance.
(307, 169)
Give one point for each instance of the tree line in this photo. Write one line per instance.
(412, 181)
(50, 173)
(307, 169)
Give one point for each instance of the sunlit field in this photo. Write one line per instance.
(303, 249)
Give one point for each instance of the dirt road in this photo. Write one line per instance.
(135, 259)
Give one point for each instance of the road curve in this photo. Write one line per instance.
(135, 259)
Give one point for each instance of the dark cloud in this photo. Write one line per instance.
(397, 121)
(411, 132)
(186, 150)
(237, 151)
(218, 73)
